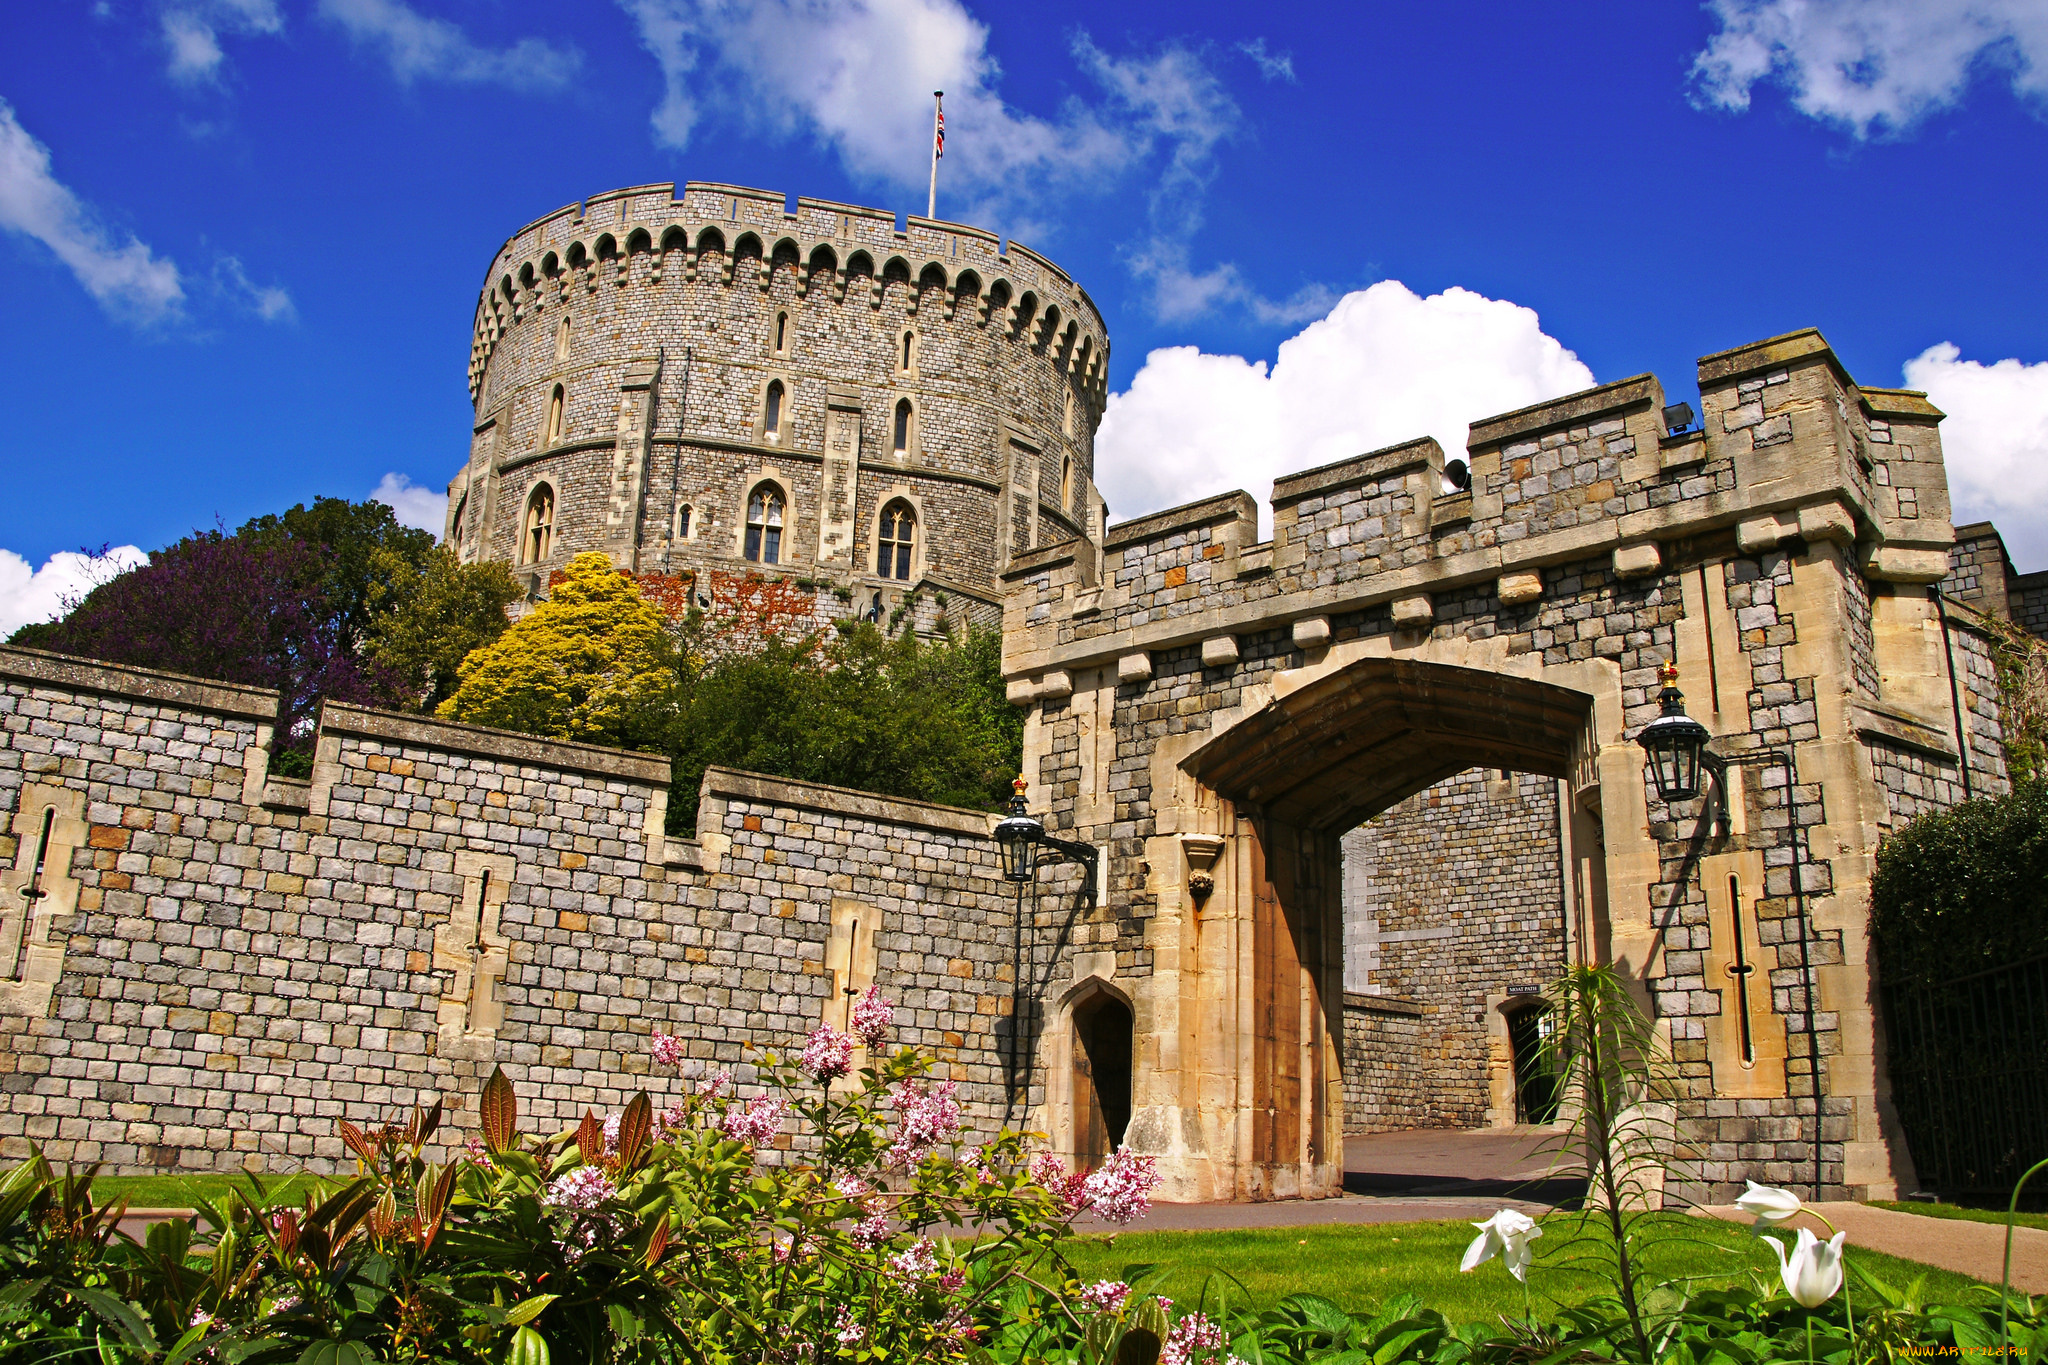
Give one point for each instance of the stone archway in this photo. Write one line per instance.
(1257, 985)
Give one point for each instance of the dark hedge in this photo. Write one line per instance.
(1963, 890)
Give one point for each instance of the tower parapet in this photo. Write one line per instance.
(721, 379)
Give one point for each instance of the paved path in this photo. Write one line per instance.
(1974, 1249)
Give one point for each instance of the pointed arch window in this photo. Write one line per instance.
(683, 521)
(764, 525)
(562, 339)
(538, 537)
(554, 427)
(901, 443)
(771, 414)
(909, 358)
(781, 333)
(1066, 483)
(897, 540)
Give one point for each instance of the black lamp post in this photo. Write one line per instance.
(1677, 746)
(1024, 845)
(1021, 835)
(1675, 743)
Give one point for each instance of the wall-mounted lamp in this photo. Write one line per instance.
(1023, 842)
(1677, 418)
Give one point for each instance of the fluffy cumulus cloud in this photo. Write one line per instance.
(856, 76)
(1872, 66)
(29, 595)
(421, 47)
(418, 507)
(1995, 442)
(1385, 366)
(129, 280)
(192, 33)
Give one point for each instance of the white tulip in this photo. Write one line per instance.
(1768, 1203)
(1507, 1235)
(1813, 1272)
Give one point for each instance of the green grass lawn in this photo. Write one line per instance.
(2024, 1219)
(1360, 1266)
(178, 1191)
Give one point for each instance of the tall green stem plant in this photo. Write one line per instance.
(1617, 1088)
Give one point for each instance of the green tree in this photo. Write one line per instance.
(895, 716)
(427, 616)
(362, 544)
(595, 662)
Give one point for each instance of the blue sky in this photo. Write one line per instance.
(243, 238)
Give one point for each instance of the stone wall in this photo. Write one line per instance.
(1451, 898)
(226, 963)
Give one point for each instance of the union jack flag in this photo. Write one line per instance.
(940, 149)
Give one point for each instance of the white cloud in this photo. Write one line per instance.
(418, 46)
(857, 76)
(191, 33)
(1995, 443)
(127, 278)
(271, 302)
(1274, 66)
(1385, 366)
(1870, 64)
(421, 508)
(30, 595)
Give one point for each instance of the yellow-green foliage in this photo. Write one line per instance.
(586, 664)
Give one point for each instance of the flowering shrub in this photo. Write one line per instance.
(644, 1236)
(881, 1236)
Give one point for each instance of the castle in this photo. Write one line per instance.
(1356, 790)
(716, 386)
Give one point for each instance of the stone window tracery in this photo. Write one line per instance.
(764, 525)
(538, 536)
(897, 540)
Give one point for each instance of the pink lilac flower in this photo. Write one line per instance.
(712, 1084)
(849, 1331)
(1193, 1337)
(917, 1261)
(1066, 1186)
(1105, 1296)
(476, 1151)
(829, 1053)
(951, 1281)
(870, 1232)
(670, 1120)
(852, 1187)
(780, 1250)
(667, 1051)
(1121, 1190)
(924, 1120)
(284, 1305)
(758, 1123)
(611, 1134)
(869, 1019)
(586, 1187)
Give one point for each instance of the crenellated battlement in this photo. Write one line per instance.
(738, 235)
(1788, 448)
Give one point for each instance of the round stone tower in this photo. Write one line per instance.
(716, 387)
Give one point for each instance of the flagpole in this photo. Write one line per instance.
(931, 203)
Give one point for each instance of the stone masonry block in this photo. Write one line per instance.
(1312, 632)
(1219, 651)
(1637, 561)
(1413, 611)
(1519, 588)
(1135, 668)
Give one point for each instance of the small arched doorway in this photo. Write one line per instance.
(1536, 1078)
(1102, 1077)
